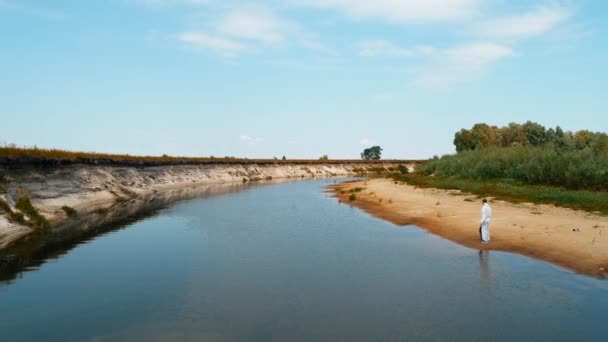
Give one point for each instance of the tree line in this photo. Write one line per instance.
(527, 134)
(528, 153)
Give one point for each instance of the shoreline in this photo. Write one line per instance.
(543, 232)
(88, 188)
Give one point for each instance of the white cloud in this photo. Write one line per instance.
(526, 25)
(250, 140)
(435, 67)
(459, 64)
(164, 3)
(225, 47)
(401, 10)
(259, 25)
(373, 48)
(366, 142)
(478, 54)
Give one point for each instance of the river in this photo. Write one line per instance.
(287, 262)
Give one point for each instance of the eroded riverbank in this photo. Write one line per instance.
(56, 189)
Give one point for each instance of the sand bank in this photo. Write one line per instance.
(541, 231)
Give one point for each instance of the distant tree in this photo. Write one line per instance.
(535, 133)
(511, 134)
(324, 157)
(484, 135)
(373, 152)
(284, 158)
(600, 145)
(583, 139)
(463, 140)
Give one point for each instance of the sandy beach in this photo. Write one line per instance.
(576, 240)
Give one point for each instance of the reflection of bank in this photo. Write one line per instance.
(484, 268)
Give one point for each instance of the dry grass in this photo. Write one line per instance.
(11, 153)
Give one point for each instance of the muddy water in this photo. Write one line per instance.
(288, 263)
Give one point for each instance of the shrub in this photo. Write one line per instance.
(25, 206)
(573, 169)
(4, 206)
(69, 210)
(352, 197)
(16, 217)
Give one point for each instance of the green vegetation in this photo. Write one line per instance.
(572, 169)
(352, 197)
(529, 154)
(324, 157)
(514, 191)
(357, 189)
(403, 169)
(523, 163)
(69, 211)
(4, 207)
(528, 134)
(372, 153)
(25, 206)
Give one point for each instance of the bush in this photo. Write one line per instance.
(69, 211)
(352, 197)
(4, 206)
(572, 169)
(25, 206)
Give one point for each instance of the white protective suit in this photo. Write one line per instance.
(484, 224)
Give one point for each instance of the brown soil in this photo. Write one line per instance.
(544, 232)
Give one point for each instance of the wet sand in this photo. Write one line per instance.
(542, 231)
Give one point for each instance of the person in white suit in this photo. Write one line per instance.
(484, 224)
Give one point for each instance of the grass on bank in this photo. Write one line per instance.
(25, 206)
(69, 211)
(514, 191)
(28, 153)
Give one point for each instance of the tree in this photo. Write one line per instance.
(535, 133)
(324, 157)
(463, 140)
(373, 152)
(284, 158)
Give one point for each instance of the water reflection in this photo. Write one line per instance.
(484, 269)
(287, 263)
(89, 225)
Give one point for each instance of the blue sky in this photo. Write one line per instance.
(300, 78)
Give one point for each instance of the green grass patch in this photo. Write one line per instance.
(69, 211)
(514, 191)
(4, 206)
(25, 206)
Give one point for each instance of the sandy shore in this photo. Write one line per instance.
(541, 231)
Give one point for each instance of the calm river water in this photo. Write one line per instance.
(289, 263)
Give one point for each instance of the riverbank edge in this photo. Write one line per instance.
(90, 188)
(466, 235)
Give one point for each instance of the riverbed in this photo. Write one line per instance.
(288, 262)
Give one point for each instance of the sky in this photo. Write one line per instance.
(294, 78)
